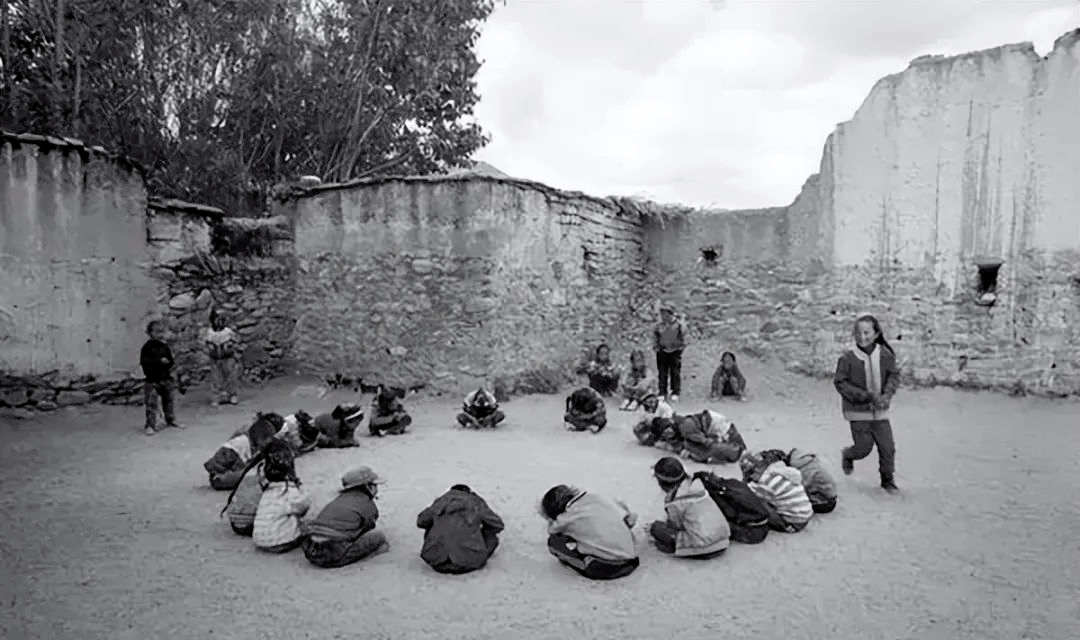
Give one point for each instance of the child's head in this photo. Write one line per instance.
(363, 479)
(388, 398)
(727, 360)
(155, 329)
(669, 473)
(751, 465)
(867, 330)
(464, 488)
(637, 359)
(217, 321)
(603, 353)
(279, 462)
(483, 399)
(555, 501)
(667, 312)
(263, 430)
(651, 402)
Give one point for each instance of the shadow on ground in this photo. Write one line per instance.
(110, 534)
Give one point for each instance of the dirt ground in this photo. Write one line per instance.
(110, 534)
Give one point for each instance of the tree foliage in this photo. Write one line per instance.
(223, 98)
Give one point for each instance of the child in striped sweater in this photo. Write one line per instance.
(780, 488)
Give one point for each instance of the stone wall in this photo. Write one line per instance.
(448, 281)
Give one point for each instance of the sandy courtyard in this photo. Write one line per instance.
(109, 534)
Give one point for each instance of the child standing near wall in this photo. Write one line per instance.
(867, 378)
(156, 359)
(223, 347)
(669, 341)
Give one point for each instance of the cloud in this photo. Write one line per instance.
(709, 103)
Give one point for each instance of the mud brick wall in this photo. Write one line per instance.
(447, 282)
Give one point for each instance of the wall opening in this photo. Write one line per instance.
(986, 288)
(711, 255)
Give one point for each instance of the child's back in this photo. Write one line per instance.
(277, 520)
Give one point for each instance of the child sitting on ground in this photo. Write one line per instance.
(337, 429)
(648, 430)
(344, 531)
(461, 532)
(780, 487)
(638, 383)
(589, 533)
(228, 463)
(695, 525)
(709, 437)
(299, 431)
(585, 411)
(728, 381)
(244, 500)
(480, 410)
(818, 483)
(603, 374)
(282, 505)
(388, 415)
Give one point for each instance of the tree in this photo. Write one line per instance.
(221, 99)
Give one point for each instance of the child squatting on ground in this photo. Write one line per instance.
(669, 341)
(388, 415)
(344, 531)
(585, 411)
(639, 382)
(603, 374)
(480, 410)
(867, 378)
(589, 533)
(728, 381)
(223, 347)
(156, 360)
(461, 532)
(695, 526)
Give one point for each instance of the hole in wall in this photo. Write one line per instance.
(899, 337)
(710, 255)
(961, 363)
(986, 287)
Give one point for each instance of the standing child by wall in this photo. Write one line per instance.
(669, 341)
(728, 380)
(867, 378)
(223, 347)
(156, 360)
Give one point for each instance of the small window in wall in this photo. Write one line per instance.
(987, 286)
(711, 255)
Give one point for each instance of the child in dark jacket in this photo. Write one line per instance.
(480, 410)
(337, 429)
(728, 380)
(388, 415)
(461, 532)
(344, 531)
(156, 360)
(867, 378)
(585, 411)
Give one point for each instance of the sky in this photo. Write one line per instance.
(710, 103)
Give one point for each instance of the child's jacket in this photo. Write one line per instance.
(670, 337)
(700, 524)
(231, 456)
(856, 373)
(699, 432)
(348, 516)
(598, 526)
(277, 520)
(585, 402)
(454, 527)
(820, 486)
(787, 497)
(245, 502)
(732, 376)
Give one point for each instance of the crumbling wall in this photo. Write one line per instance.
(449, 281)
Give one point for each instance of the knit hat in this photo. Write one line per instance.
(669, 469)
(359, 477)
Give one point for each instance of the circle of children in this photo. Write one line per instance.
(590, 533)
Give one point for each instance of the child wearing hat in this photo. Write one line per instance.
(243, 502)
(461, 532)
(585, 411)
(638, 383)
(480, 410)
(780, 487)
(695, 525)
(337, 429)
(589, 533)
(388, 415)
(282, 505)
(669, 341)
(344, 531)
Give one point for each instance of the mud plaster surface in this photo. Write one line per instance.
(109, 534)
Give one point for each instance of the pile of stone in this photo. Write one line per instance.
(51, 391)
